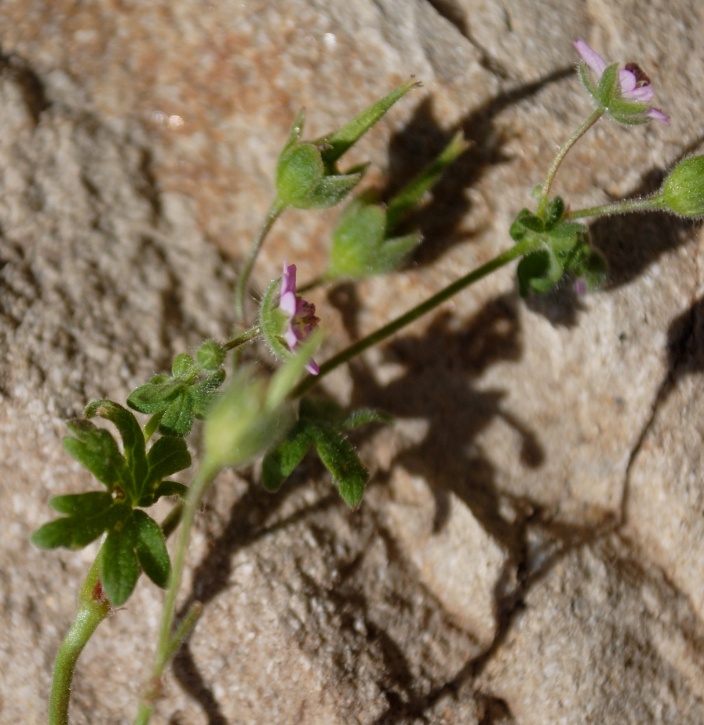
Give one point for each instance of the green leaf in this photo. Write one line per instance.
(179, 416)
(280, 462)
(167, 456)
(155, 396)
(119, 567)
(206, 393)
(210, 355)
(130, 432)
(183, 366)
(96, 450)
(75, 532)
(170, 488)
(554, 212)
(82, 504)
(150, 548)
(340, 458)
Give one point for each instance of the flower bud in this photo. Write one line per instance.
(242, 423)
(683, 190)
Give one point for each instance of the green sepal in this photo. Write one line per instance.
(340, 458)
(359, 244)
(631, 113)
(337, 143)
(331, 190)
(296, 128)
(150, 547)
(119, 566)
(280, 462)
(607, 86)
(299, 171)
(94, 515)
(96, 449)
(394, 252)
(131, 434)
(273, 321)
(585, 77)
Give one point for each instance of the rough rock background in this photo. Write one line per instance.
(530, 548)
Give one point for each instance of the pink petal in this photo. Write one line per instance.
(591, 57)
(658, 115)
(312, 367)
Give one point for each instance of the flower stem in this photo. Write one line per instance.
(168, 642)
(620, 207)
(552, 171)
(272, 215)
(518, 250)
(243, 338)
(93, 608)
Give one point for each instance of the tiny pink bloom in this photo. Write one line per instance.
(634, 84)
(301, 314)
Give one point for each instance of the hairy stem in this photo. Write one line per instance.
(168, 642)
(627, 206)
(93, 608)
(552, 171)
(241, 287)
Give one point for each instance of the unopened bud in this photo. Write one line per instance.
(683, 190)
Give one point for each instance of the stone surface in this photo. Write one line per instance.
(528, 551)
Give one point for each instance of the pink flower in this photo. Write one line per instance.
(627, 100)
(301, 314)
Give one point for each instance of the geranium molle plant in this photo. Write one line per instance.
(272, 416)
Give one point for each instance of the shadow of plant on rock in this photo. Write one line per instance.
(437, 387)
